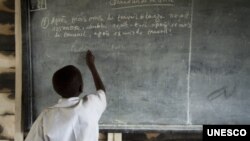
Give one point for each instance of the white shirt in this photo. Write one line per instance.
(72, 119)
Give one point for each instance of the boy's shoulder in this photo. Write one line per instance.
(45, 111)
(100, 94)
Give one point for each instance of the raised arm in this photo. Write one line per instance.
(90, 60)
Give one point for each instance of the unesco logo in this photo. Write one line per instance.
(226, 132)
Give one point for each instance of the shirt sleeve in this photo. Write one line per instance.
(36, 131)
(98, 101)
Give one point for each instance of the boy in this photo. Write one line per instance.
(72, 118)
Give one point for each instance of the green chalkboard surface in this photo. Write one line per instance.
(167, 64)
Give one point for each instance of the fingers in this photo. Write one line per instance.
(89, 53)
(89, 57)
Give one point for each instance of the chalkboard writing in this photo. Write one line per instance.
(165, 63)
(118, 26)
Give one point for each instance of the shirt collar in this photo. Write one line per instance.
(67, 102)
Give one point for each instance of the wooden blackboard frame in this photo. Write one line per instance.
(27, 87)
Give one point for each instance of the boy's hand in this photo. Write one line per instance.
(90, 59)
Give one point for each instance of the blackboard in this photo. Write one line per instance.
(167, 64)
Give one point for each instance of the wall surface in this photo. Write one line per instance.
(7, 70)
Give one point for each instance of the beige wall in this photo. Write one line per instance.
(7, 70)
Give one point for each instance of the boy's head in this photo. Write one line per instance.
(67, 81)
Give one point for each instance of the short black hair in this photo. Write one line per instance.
(67, 81)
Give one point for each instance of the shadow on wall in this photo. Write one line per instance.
(7, 82)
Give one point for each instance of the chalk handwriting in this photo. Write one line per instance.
(126, 4)
(115, 25)
(224, 91)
